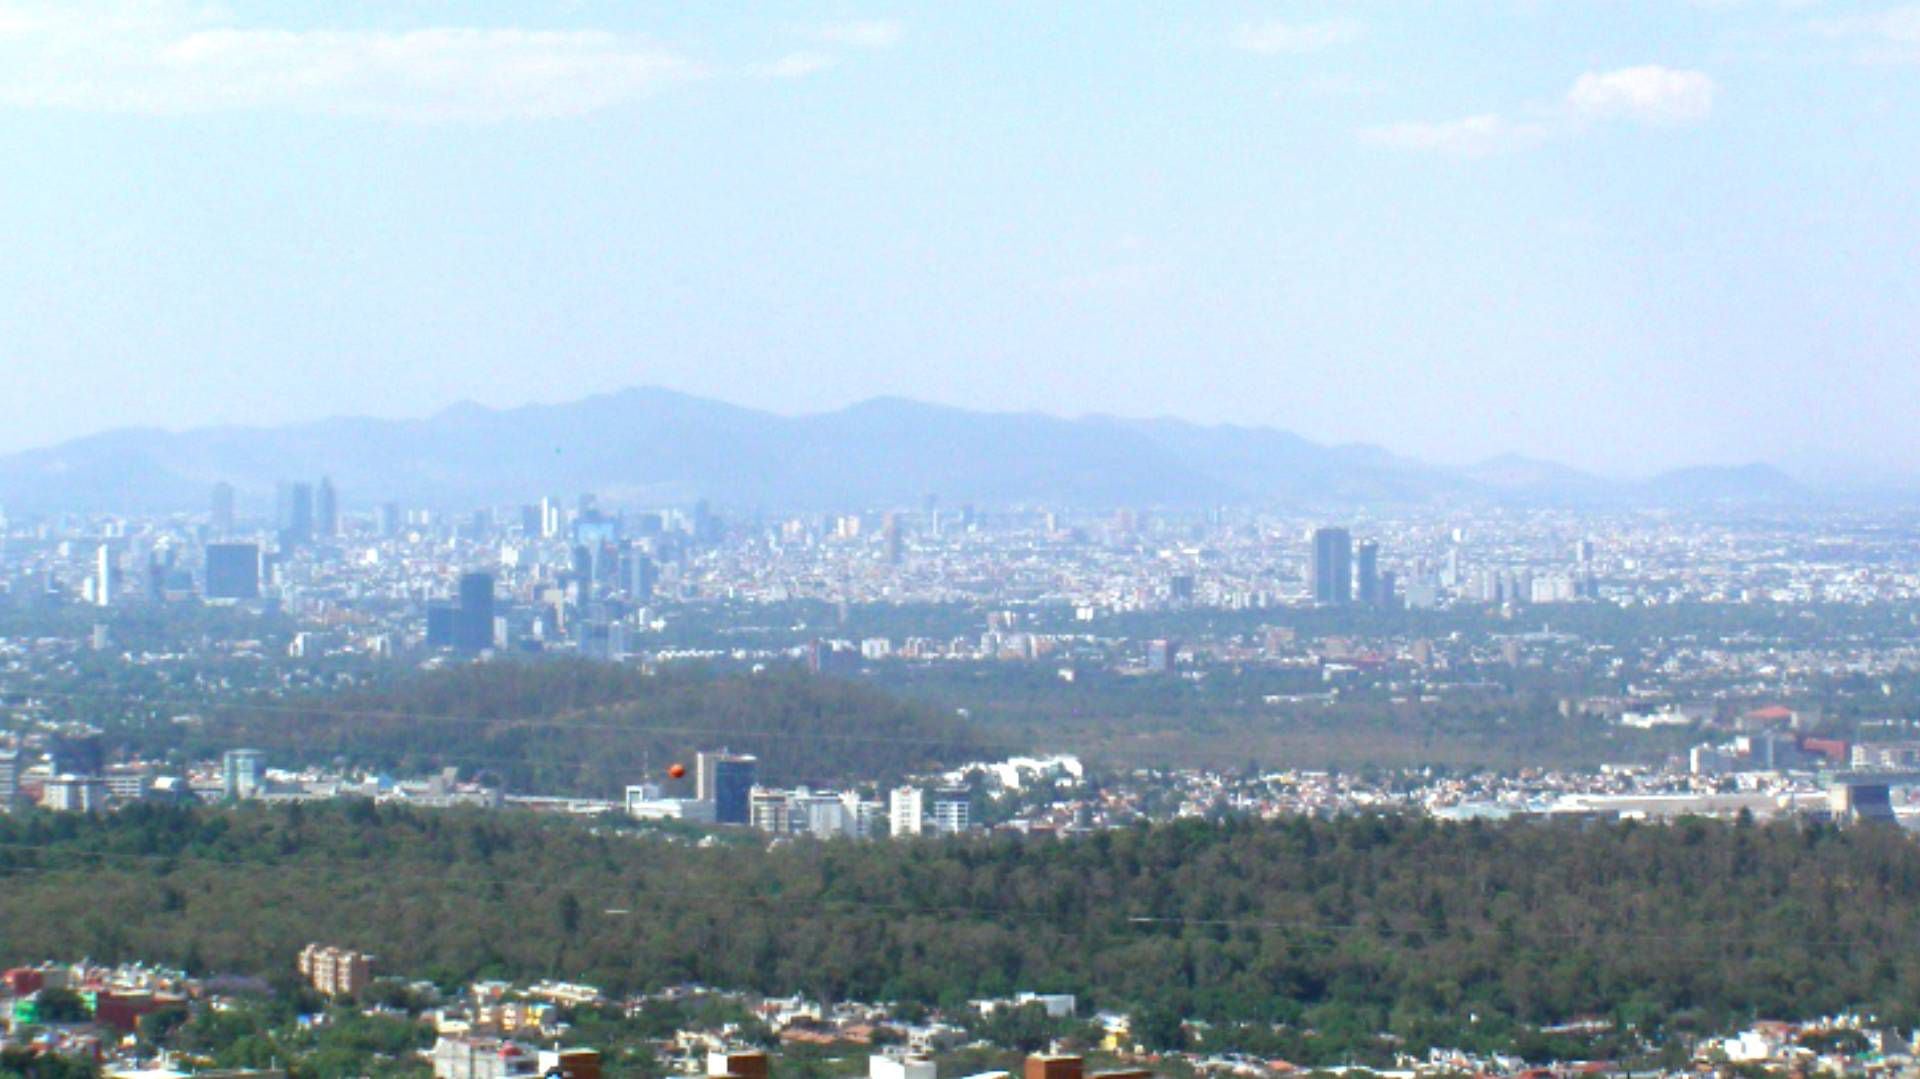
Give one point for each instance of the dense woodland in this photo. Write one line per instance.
(1335, 930)
(577, 727)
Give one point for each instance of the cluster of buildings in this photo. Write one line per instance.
(334, 971)
(726, 792)
(503, 1030)
(572, 574)
(84, 1010)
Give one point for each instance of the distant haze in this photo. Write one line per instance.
(1629, 238)
(655, 447)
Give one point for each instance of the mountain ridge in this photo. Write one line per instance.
(649, 444)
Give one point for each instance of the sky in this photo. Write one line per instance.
(1626, 236)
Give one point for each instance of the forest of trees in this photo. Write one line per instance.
(577, 727)
(1342, 928)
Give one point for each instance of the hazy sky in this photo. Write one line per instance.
(1621, 235)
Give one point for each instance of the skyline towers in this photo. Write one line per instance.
(473, 618)
(221, 509)
(326, 510)
(106, 576)
(1367, 574)
(1332, 568)
(233, 571)
(726, 780)
(293, 512)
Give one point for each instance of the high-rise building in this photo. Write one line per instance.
(221, 517)
(9, 780)
(233, 571)
(441, 617)
(952, 810)
(293, 516)
(1332, 567)
(726, 780)
(892, 537)
(906, 811)
(389, 519)
(473, 622)
(639, 575)
(326, 509)
(241, 771)
(1367, 573)
(106, 576)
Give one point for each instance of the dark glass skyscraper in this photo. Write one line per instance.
(1332, 567)
(473, 623)
(441, 618)
(726, 780)
(233, 571)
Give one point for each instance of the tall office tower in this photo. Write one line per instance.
(441, 618)
(1332, 567)
(906, 810)
(530, 519)
(952, 810)
(233, 571)
(106, 576)
(726, 780)
(639, 576)
(222, 506)
(294, 512)
(1583, 552)
(1367, 573)
(473, 623)
(389, 519)
(895, 543)
(241, 771)
(552, 517)
(9, 780)
(326, 509)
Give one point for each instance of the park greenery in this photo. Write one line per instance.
(1315, 940)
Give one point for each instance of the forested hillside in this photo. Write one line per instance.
(1343, 927)
(575, 727)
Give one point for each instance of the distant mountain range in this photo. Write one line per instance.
(661, 447)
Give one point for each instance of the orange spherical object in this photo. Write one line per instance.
(678, 771)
